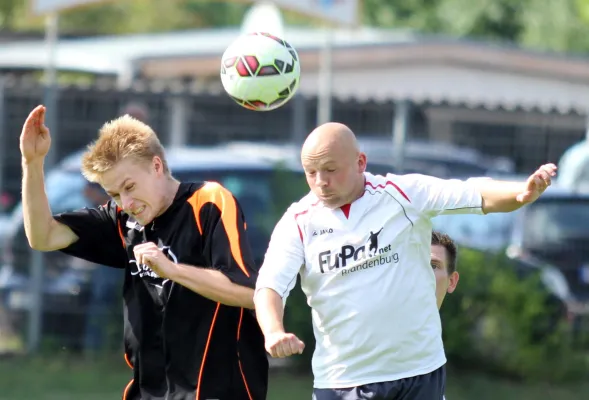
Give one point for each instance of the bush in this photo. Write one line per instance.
(501, 319)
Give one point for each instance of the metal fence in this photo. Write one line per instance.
(181, 117)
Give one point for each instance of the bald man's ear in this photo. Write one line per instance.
(362, 163)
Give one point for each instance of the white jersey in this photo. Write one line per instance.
(367, 276)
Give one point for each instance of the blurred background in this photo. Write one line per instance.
(450, 88)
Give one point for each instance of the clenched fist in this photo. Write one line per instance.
(281, 344)
(149, 254)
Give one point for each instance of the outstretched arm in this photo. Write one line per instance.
(500, 196)
(434, 196)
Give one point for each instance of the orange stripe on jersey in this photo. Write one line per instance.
(118, 211)
(127, 388)
(247, 389)
(128, 361)
(121, 233)
(204, 356)
(213, 192)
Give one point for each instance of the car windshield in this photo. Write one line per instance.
(252, 188)
(65, 190)
(556, 223)
(487, 232)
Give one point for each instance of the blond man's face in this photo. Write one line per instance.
(445, 282)
(136, 187)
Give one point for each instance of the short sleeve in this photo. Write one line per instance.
(434, 196)
(284, 258)
(221, 223)
(99, 237)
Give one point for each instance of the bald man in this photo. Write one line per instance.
(361, 244)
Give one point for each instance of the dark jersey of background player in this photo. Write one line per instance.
(180, 344)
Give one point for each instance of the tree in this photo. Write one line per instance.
(138, 16)
(558, 25)
(8, 11)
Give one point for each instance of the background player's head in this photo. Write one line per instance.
(443, 261)
(136, 110)
(334, 166)
(128, 161)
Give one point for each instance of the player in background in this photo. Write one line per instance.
(443, 262)
(371, 291)
(189, 273)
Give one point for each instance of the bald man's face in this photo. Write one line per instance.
(334, 171)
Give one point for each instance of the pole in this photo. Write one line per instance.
(36, 270)
(3, 137)
(325, 79)
(50, 80)
(400, 126)
(299, 118)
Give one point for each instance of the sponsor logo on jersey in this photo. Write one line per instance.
(355, 258)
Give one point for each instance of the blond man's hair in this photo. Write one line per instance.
(119, 139)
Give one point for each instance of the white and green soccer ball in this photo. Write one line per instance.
(260, 71)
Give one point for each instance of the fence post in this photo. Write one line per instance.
(299, 118)
(36, 270)
(400, 128)
(3, 137)
(178, 120)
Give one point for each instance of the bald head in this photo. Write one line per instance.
(333, 164)
(330, 138)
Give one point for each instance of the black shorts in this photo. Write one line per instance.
(422, 387)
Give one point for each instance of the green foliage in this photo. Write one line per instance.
(503, 321)
(558, 25)
(561, 25)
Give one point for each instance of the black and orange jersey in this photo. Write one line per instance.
(180, 344)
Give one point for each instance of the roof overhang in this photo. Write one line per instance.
(367, 64)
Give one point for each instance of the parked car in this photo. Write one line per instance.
(440, 159)
(549, 236)
(279, 152)
(66, 279)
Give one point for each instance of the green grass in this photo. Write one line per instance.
(68, 379)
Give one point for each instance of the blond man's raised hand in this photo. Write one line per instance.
(35, 138)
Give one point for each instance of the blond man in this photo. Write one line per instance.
(189, 269)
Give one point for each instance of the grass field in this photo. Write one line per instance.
(68, 379)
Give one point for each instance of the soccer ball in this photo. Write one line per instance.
(260, 71)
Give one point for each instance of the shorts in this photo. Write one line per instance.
(422, 387)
